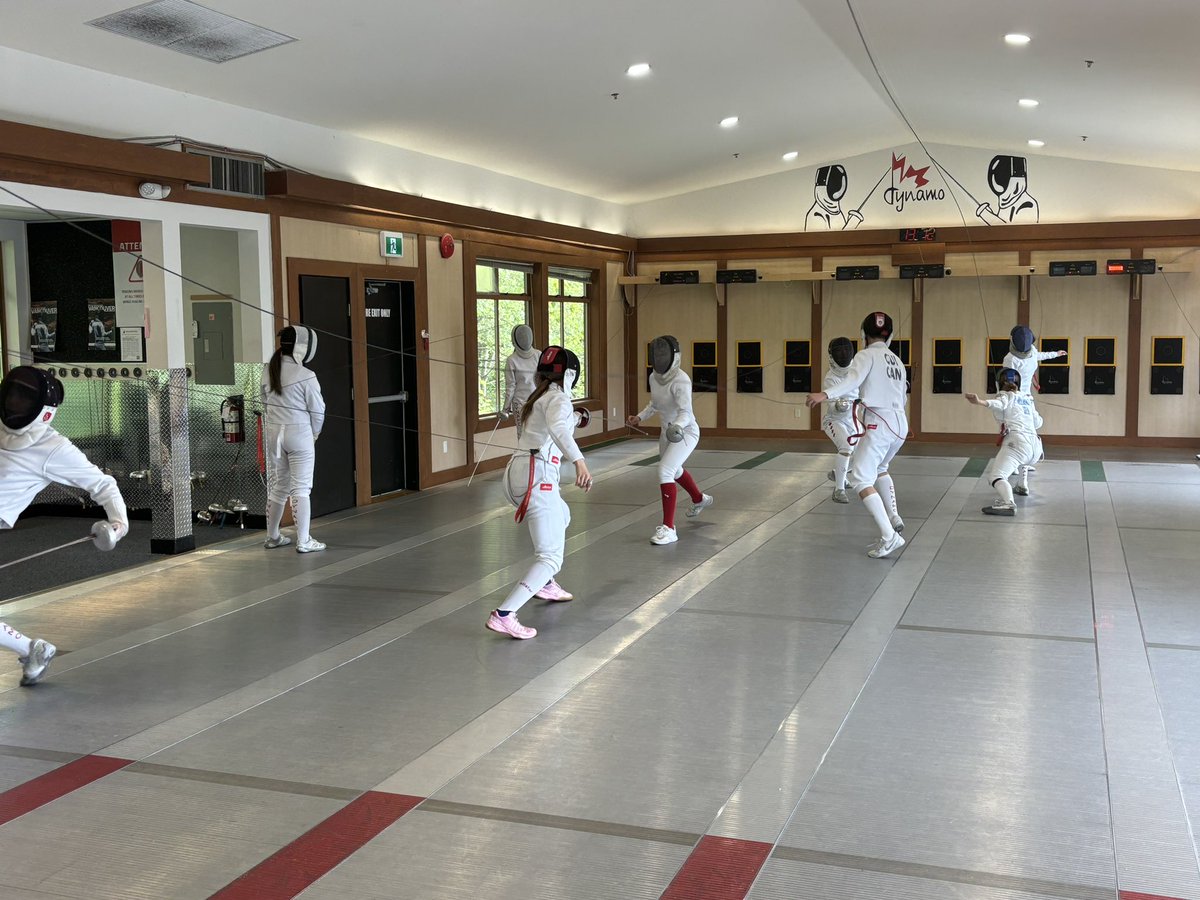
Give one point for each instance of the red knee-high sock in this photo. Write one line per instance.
(668, 499)
(689, 485)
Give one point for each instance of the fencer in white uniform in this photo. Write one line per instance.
(520, 373)
(32, 456)
(1023, 356)
(1018, 418)
(838, 419)
(295, 413)
(531, 483)
(882, 425)
(671, 400)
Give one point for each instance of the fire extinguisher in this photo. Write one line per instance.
(232, 423)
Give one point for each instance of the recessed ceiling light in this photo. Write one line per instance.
(1027, 102)
(790, 155)
(637, 70)
(1036, 143)
(729, 121)
(1017, 40)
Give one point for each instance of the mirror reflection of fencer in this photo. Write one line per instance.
(1008, 177)
(826, 213)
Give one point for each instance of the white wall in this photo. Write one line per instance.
(58, 95)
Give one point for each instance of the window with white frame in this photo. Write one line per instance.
(569, 291)
(502, 297)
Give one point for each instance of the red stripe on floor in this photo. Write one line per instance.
(718, 869)
(1132, 895)
(319, 849)
(54, 784)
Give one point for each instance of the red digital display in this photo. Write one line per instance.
(1116, 268)
(916, 235)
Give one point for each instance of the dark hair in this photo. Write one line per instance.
(273, 370)
(543, 384)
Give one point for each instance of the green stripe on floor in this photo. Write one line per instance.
(648, 461)
(756, 461)
(1093, 470)
(975, 467)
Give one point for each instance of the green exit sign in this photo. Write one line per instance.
(391, 243)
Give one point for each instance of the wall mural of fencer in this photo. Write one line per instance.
(910, 186)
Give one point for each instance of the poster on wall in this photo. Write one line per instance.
(128, 283)
(102, 321)
(43, 326)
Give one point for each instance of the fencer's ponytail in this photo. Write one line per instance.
(543, 385)
(274, 368)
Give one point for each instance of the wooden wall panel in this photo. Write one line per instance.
(689, 312)
(1171, 307)
(770, 313)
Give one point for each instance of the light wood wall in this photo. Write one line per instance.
(771, 312)
(447, 372)
(1171, 308)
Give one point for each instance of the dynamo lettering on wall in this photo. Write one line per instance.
(1007, 178)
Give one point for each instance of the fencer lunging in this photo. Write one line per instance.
(520, 373)
(838, 420)
(32, 456)
(531, 483)
(1019, 422)
(878, 375)
(1023, 356)
(671, 399)
(295, 412)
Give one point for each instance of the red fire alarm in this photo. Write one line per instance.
(447, 246)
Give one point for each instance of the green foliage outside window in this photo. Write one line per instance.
(568, 328)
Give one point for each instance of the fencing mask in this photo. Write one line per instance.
(522, 339)
(664, 354)
(28, 396)
(1007, 377)
(557, 360)
(841, 351)
(1021, 341)
(833, 179)
(298, 342)
(1003, 170)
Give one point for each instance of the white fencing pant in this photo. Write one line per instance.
(547, 516)
(671, 457)
(839, 431)
(291, 454)
(1018, 450)
(883, 435)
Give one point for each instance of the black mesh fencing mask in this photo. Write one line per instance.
(25, 393)
(663, 352)
(841, 351)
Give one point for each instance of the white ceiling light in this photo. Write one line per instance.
(1027, 102)
(1037, 143)
(729, 121)
(637, 70)
(1017, 40)
(790, 155)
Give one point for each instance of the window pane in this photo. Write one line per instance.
(512, 282)
(485, 279)
(574, 289)
(488, 359)
(555, 329)
(575, 337)
(555, 287)
(512, 313)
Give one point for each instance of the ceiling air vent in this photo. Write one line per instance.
(235, 175)
(193, 29)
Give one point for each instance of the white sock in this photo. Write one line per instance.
(1004, 489)
(11, 639)
(1025, 477)
(274, 517)
(887, 489)
(874, 505)
(840, 465)
(535, 579)
(302, 513)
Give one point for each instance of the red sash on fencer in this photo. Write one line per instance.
(524, 507)
(1003, 435)
(860, 426)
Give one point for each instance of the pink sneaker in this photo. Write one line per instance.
(510, 626)
(553, 591)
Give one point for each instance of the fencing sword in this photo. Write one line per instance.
(961, 187)
(871, 193)
(483, 455)
(44, 552)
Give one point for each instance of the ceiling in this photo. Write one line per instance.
(524, 87)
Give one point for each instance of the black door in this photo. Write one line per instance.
(325, 306)
(392, 386)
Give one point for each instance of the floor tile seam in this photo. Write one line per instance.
(1101, 517)
(960, 488)
(935, 629)
(649, 619)
(786, 617)
(39, 753)
(944, 874)
(1157, 646)
(253, 782)
(304, 668)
